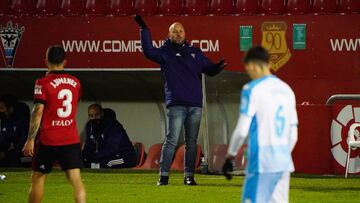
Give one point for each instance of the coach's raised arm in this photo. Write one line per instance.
(176, 40)
(182, 66)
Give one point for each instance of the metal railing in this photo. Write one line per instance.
(337, 97)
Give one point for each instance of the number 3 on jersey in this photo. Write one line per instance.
(66, 109)
(279, 121)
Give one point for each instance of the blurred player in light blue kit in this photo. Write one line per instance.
(268, 116)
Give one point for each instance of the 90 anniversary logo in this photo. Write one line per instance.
(10, 36)
(274, 40)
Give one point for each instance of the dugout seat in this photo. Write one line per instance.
(178, 163)
(298, 6)
(247, 6)
(47, 7)
(146, 7)
(96, 7)
(72, 7)
(325, 6)
(140, 153)
(152, 160)
(273, 6)
(241, 158)
(197, 7)
(222, 7)
(171, 7)
(349, 6)
(4, 7)
(121, 7)
(217, 154)
(22, 7)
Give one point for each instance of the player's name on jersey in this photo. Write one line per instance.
(62, 122)
(63, 80)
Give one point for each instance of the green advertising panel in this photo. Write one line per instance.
(299, 36)
(246, 37)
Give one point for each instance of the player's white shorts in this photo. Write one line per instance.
(266, 188)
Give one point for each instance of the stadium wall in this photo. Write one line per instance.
(318, 55)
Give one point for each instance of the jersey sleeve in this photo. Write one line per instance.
(39, 92)
(294, 115)
(293, 123)
(239, 135)
(247, 112)
(247, 106)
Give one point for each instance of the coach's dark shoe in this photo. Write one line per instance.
(189, 181)
(163, 180)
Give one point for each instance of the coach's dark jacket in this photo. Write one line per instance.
(107, 140)
(182, 67)
(13, 134)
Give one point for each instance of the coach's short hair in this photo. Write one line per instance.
(257, 54)
(55, 55)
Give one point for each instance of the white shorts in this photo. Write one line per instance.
(266, 188)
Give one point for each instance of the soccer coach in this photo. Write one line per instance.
(182, 66)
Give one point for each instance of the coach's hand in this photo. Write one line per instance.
(140, 21)
(221, 64)
(228, 167)
(28, 148)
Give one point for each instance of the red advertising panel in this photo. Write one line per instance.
(317, 54)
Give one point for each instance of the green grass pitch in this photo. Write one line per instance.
(139, 186)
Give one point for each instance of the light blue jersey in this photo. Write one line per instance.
(268, 115)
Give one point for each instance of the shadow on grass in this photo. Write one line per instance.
(2, 170)
(155, 171)
(88, 170)
(182, 185)
(324, 189)
(312, 176)
(219, 185)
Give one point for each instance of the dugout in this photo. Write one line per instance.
(137, 97)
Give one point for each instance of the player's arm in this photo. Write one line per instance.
(293, 136)
(294, 126)
(237, 140)
(35, 120)
(239, 135)
(247, 113)
(152, 53)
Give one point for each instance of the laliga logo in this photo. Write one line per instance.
(10, 36)
(339, 130)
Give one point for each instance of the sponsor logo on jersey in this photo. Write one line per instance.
(10, 36)
(38, 89)
(62, 122)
